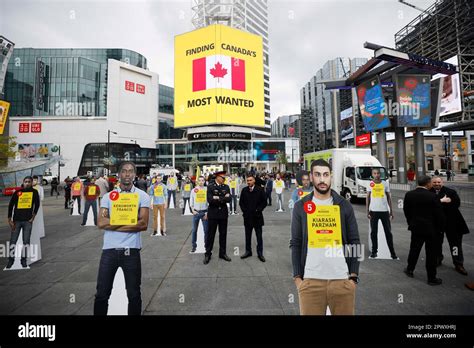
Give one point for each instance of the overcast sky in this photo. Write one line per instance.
(304, 34)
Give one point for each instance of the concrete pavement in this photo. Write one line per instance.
(178, 283)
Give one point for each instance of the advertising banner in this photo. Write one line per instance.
(413, 100)
(218, 78)
(451, 98)
(347, 124)
(371, 104)
(267, 150)
(4, 107)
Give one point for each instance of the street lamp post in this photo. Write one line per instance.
(108, 149)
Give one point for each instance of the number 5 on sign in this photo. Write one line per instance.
(309, 207)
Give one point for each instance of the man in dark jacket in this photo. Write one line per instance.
(252, 202)
(269, 189)
(23, 207)
(455, 226)
(325, 248)
(425, 219)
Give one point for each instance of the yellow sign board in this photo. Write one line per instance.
(218, 78)
(25, 200)
(158, 191)
(91, 190)
(4, 107)
(201, 196)
(324, 227)
(378, 191)
(125, 210)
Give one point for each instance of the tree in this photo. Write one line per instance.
(7, 150)
(281, 159)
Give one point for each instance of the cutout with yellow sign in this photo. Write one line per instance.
(91, 190)
(25, 200)
(324, 227)
(124, 210)
(187, 187)
(76, 186)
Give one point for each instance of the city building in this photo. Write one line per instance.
(246, 15)
(321, 108)
(96, 106)
(286, 126)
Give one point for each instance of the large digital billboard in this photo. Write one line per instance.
(414, 100)
(372, 105)
(218, 78)
(267, 150)
(347, 125)
(451, 99)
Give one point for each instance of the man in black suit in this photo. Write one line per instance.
(218, 195)
(252, 202)
(425, 219)
(455, 226)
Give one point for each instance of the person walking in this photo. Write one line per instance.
(252, 203)
(159, 196)
(199, 206)
(379, 207)
(103, 185)
(455, 226)
(67, 192)
(91, 194)
(425, 219)
(22, 209)
(269, 189)
(218, 195)
(54, 186)
(325, 247)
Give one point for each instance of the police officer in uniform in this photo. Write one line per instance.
(218, 195)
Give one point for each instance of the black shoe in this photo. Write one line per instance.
(207, 258)
(460, 269)
(23, 263)
(261, 258)
(10, 263)
(395, 257)
(193, 250)
(163, 233)
(225, 257)
(373, 255)
(83, 224)
(435, 281)
(408, 273)
(155, 233)
(247, 254)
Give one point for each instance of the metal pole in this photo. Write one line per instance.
(400, 155)
(419, 145)
(108, 146)
(59, 165)
(382, 148)
(450, 154)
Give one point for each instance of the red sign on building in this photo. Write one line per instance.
(130, 86)
(23, 127)
(36, 127)
(140, 88)
(363, 140)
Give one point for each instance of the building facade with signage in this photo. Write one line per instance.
(79, 100)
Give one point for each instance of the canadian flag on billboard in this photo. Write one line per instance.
(218, 71)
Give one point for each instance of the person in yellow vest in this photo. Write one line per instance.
(76, 192)
(186, 187)
(91, 193)
(159, 197)
(234, 191)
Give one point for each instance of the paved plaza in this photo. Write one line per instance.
(175, 282)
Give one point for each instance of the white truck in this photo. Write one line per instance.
(351, 170)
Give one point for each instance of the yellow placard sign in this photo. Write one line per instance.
(187, 187)
(378, 191)
(324, 227)
(218, 77)
(279, 183)
(201, 196)
(158, 191)
(91, 191)
(124, 209)
(76, 186)
(25, 200)
(172, 180)
(233, 184)
(302, 193)
(4, 107)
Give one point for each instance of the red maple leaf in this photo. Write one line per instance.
(218, 71)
